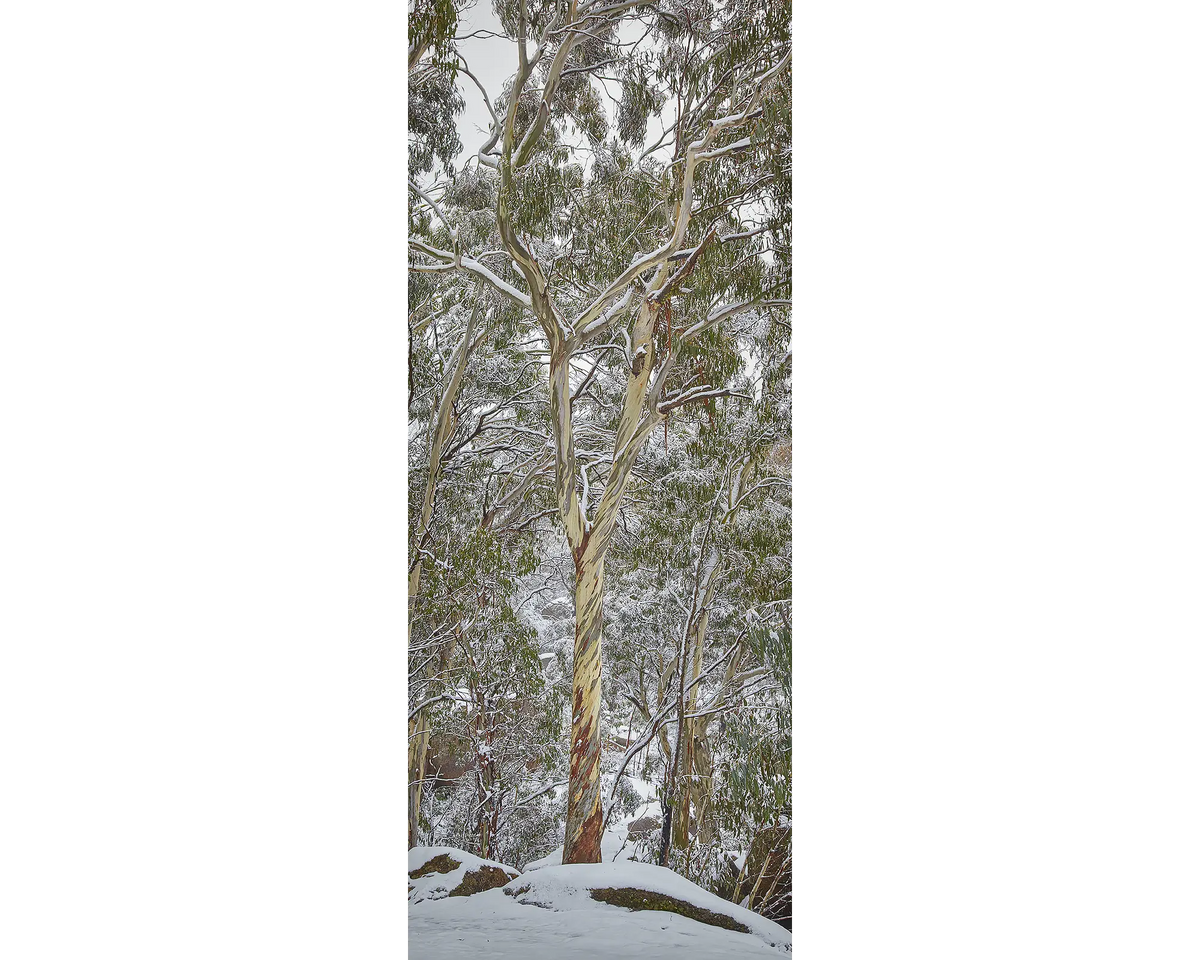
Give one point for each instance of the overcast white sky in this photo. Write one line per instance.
(494, 60)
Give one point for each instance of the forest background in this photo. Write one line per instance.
(637, 397)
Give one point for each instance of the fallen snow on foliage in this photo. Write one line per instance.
(567, 888)
(435, 886)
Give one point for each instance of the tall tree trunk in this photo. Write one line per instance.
(666, 670)
(671, 781)
(418, 748)
(704, 771)
(589, 544)
(584, 816)
(704, 757)
(492, 783)
(690, 727)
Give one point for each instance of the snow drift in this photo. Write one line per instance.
(587, 911)
(627, 884)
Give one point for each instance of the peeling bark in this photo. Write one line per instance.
(584, 815)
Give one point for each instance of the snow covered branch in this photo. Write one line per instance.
(451, 262)
(769, 482)
(677, 278)
(717, 314)
(695, 154)
(538, 793)
(735, 147)
(697, 395)
(433, 204)
(415, 711)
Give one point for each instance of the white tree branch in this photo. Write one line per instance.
(432, 203)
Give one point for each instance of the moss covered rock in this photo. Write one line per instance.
(636, 899)
(441, 864)
(485, 878)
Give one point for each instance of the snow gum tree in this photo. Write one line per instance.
(638, 173)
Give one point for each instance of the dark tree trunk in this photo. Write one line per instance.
(666, 835)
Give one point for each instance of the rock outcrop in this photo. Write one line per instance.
(438, 872)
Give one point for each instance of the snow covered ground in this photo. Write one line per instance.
(567, 887)
(493, 925)
(553, 916)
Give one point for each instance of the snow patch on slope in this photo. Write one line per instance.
(568, 887)
(435, 886)
(496, 927)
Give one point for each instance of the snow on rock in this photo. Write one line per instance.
(437, 872)
(497, 927)
(641, 888)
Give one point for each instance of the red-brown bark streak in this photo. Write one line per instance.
(583, 798)
(589, 836)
